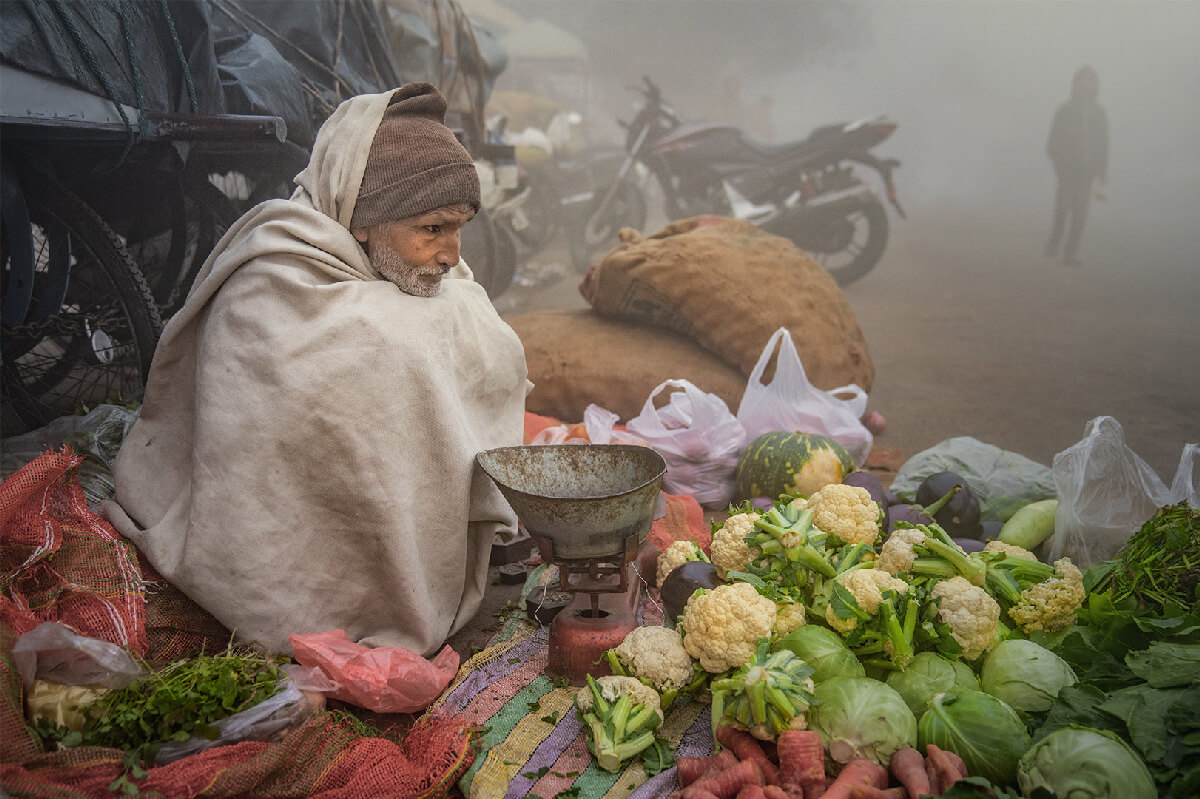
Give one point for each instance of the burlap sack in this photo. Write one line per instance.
(577, 357)
(728, 285)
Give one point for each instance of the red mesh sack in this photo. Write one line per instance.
(59, 561)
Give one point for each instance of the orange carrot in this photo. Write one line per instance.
(726, 783)
(908, 767)
(743, 744)
(690, 769)
(775, 792)
(871, 792)
(946, 770)
(751, 792)
(859, 771)
(801, 761)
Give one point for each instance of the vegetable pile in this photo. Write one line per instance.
(852, 652)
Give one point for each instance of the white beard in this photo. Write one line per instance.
(407, 278)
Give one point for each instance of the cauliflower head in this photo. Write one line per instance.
(1051, 604)
(867, 586)
(613, 688)
(657, 654)
(973, 616)
(729, 550)
(722, 626)
(897, 555)
(677, 554)
(1009, 549)
(846, 512)
(788, 617)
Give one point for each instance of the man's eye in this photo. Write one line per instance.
(434, 228)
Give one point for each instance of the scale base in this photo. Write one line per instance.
(578, 640)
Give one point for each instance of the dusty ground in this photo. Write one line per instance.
(973, 331)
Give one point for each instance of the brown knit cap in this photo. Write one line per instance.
(415, 164)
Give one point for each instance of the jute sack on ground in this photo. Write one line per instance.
(728, 285)
(577, 357)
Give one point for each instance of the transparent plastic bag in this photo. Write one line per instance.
(698, 437)
(1106, 492)
(792, 403)
(385, 679)
(56, 653)
(266, 721)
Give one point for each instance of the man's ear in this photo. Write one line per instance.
(360, 233)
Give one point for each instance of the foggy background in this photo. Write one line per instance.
(973, 87)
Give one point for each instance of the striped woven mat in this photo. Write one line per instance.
(533, 744)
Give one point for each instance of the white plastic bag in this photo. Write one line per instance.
(1106, 493)
(54, 652)
(792, 403)
(598, 428)
(698, 437)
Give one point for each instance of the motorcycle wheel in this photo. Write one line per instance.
(597, 231)
(92, 323)
(850, 247)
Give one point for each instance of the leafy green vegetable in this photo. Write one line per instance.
(861, 717)
(1159, 566)
(930, 674)
(180, 701)
(984, 731)
(1026, 675)
(1082, 762)
(1137, 679)
(657, 757)
(824, 650)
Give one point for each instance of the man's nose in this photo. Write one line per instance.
(448, 256)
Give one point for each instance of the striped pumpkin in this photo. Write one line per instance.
(790, 463)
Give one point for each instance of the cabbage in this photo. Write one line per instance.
(985, 732)
(824, 650)
(1083, 763)
(1025, 675)
(929, 674)
(861, 717)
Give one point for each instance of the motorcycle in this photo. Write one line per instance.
(806, 191)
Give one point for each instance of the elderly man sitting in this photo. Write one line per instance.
(304, 459)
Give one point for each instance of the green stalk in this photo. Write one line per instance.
(717, 711)
(620, 716)
(975, 571)
(931, 510)
(614, 663)
(777, 699)
(601, 704)
(643, 717)
(757, 693)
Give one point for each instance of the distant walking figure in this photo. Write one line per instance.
(1078, 148)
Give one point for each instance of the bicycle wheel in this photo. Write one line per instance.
(90, 329)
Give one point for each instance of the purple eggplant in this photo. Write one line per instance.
(903, 512)
(969, 545)
(871, 483)
(960, 515)
(990, 530)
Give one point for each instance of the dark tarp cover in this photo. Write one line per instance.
(127, 52)
(120, 51)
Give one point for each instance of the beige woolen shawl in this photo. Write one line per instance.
(304, 459)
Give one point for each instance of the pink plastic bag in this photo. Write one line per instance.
(386, 679)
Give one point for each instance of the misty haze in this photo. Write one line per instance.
(972, 329)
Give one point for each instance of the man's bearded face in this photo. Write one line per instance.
(416, 252)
